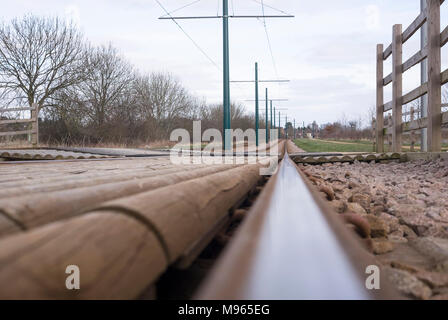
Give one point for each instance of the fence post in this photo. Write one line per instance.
(389, 136)
(397, 87)
(374, 127)
(434, 78)
(35, 124)
(412, 134)
(379, 99)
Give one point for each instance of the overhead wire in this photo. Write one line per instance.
(269, 41)
(169, 13)
(189, 37)
(183, 7)
(270, 7)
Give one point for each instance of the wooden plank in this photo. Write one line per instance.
(15, 133)
(8, 226)
(397, 87)
(184, 212)
(422, 123)
(117, 255)
(415, 59)
(16, 121)
(35, 209)
(387, 52)
(388, 106)
(16, 109)
(445, 117)
(412, 134)
(387, 80)
(415, 125)
(415, 25)
(444, 37)
(415, 94)
(379, 99)
(434, 78)
(444, 77)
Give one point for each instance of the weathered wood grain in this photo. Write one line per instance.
(387, 80)
(33, 184)
(118, 258)
(397, 86)
(414, 26)
(184, 212)
(16, 121)
(434, 78)
(387, 52)
(379, 99)
(415, 59)
(387, 106)
(35, 209)
(444, 37)
(415, 94)
(15, 133)
(7, 226)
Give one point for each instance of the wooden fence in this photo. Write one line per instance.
(432, 52)
(33, 132)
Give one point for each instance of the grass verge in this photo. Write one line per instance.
(310, 145)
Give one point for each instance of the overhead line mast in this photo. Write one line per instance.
(226, 73)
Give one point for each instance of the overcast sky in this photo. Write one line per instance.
(327, 50)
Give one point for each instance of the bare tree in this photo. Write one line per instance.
(161, 99)
(107, 77)
(39, 57)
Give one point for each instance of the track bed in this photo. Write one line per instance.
(406, 207)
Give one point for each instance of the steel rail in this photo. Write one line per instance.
(291, 246)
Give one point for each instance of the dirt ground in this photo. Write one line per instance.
(401, 211)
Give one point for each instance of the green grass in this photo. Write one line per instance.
(333, 145)
(310, 145)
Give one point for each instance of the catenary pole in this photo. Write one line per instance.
(424, 79)
(267, 118)
(226, 75)
(257, 126)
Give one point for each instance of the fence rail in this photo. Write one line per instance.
(436, 79)
(34, 121)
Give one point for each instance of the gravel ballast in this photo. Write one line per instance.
(406, 208)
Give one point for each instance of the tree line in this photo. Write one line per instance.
(92, 94)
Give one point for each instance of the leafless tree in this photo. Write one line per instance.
(38, 57)
(160, 100)
(107, 77)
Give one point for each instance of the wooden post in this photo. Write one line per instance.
(389, 136)
(412, 134)
(379, 99)
(434, 78)
(374, 127)
(397, 87)
(35, 125)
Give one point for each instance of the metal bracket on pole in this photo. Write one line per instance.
(226, 74)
